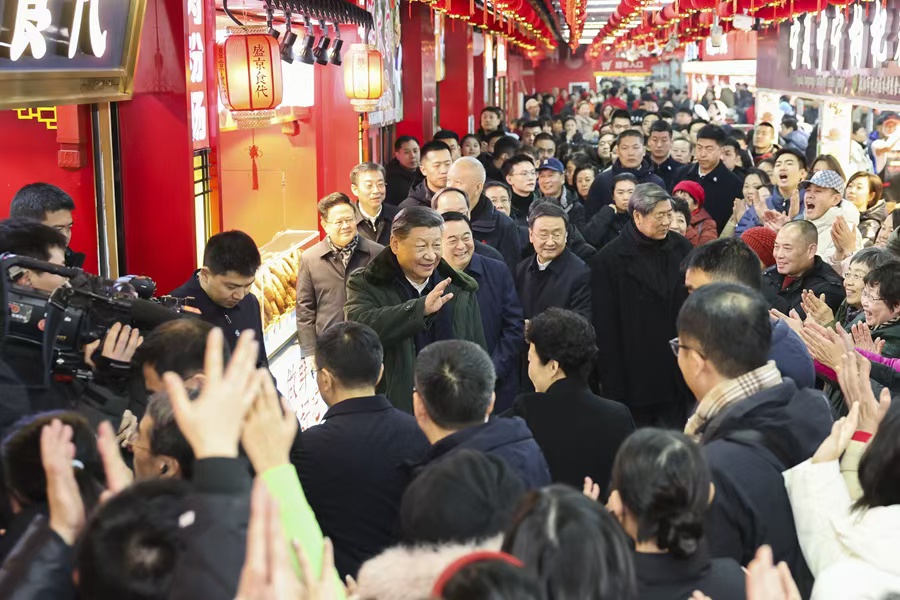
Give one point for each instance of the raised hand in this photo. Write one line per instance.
(774, 220)
(591, 489)
(436, 298)
(66, 506)
(794, 207)
(738, 210)
(862, 338)
(212, 423)
(269, 428)
(842, 432)
(794, 321)
(765, 581)
(844, 237)
(118, 475)
(853, 377)
(815, 308)
(322, 585)
(823, 344)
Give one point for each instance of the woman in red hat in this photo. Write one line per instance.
(703, 226)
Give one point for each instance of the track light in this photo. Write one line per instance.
(336, 52)
(287, 47)
(306, 54)
(270, 22)
(321, 50)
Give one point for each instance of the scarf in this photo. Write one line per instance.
(346, 252)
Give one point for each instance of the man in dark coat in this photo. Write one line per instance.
(352, 465)
(554, 276)
(221, 288)
(402, 172)
(489, 226)
(660, 144)
(797, 268)
(322, 281)
(501, 311)
(578, 432)
(373, 216)
(637, 289)
(720, 185)
(402, 296)
(436, 161)
(631, 151)
(453, 397)
(752, 424)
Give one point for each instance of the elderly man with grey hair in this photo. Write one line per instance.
(489, 226)
(411, 297)
(637, 289)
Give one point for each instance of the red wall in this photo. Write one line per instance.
(550, 74)
(455, 100)
(417, 25)
(157, 170)
(29, 155)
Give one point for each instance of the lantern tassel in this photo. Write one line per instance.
(255, 153)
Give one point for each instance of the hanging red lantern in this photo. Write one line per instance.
(363, 70)
(250, 77)
(704, 5)
(725, 10)
(668, 13)
(706, 19)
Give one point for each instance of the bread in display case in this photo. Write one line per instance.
(276, 285)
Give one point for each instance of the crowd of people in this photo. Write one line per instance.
(616, 349)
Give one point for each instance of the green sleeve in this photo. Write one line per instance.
(297, 517)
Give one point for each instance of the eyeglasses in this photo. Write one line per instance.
(556, 236)
(676, 345)
(867, 295)
(342, 222)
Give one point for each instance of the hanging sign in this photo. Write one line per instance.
(67, 51)
(196, 61)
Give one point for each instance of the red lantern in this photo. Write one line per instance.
(668, 13)
(706, 19)
(725, 10)
(250, 77)
(840, 2)
(704, 5)
(363, 77)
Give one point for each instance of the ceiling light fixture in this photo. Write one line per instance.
(335, 52)
(321, 51)
(287, 44)
(306, 54)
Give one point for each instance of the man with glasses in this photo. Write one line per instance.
(554, 276)
(637, 289)
(521, 176)
(630, 158)
(325, 268)
(373, 216)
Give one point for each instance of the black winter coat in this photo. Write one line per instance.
(821, 279)
(419, 195)
(492, 227)
(40, 567)
(720, 186)
(565, 283)
(605, 226)
(748, 446)
(637, 289)
(667, 171)
(399, 182)
(600, 193)
(381, 233)
(664, 577)
(578, 432)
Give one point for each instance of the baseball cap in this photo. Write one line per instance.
(553, 164)
(825, 179)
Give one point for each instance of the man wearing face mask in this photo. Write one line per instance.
(637, 290)
(411, 297)
(631, 159)
(436, 161)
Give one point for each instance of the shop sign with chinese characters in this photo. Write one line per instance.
(196, 60)
(67, 51)
(851, 52)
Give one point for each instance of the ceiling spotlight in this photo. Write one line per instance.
(336, 52)
(306, 54)
(270, 22)
(321, 50)
(287, 47)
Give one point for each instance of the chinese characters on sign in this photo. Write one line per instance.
(197, 73)
(33, 18)
(261, 64)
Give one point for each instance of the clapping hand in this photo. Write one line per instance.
(862, 338)
(738, 210)
(815, 308)
(212, 423)
(774, 220)
(794, 206)
(591, 489)
(842, 432)
(269, 429)
(794, 321)
(853, 377)
(823, 344)
(844, 237)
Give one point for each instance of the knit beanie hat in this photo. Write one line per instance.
(694, 189)
(467, 495)
(762, 241)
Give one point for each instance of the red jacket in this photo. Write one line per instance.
(702, 229)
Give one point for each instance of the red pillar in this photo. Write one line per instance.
(478, 88)
(417, 24)
(456, 104)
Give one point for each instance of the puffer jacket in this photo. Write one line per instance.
(870, 222)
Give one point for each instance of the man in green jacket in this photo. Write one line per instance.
(411, 297)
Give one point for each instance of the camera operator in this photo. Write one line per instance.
(52, 207)
(221, 288)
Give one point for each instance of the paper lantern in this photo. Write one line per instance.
(250, 77)
(363, 77)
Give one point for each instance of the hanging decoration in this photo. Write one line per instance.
(363, 74)
(255, 153)
(250, 76)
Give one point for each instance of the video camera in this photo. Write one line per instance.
(77, 313)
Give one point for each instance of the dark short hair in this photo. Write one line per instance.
(680, 205)
(766, 124)
(366, 167)
(36, 200)
(718, 314)
(510, 163)
(434, 146)
(178, 346)
(415, 216)
(763, 176)
(620, 113)
(231, 251)
(793, 152)
(495, 134)
(726, 259)
(566, 337)
(493, 109)
(398, 143)
(789, 122)
(712, 132)
(544, 137)
(649, 114)
(887, 278)
(731, 143)
(685, 111)
(666, 113)
(491, 183)
(467, 136)
(697, 121)
(351, 352)
(544, 208)
(737, 134)
(131, 545)
(455, 379)
(330, 201)
(27, 237)
(809, 235)
(450, 217)
(833, 164)
(663, 480)
(629, 133)
(624, 176)
(872, 257)
(875, 184)
(446, 134)
(561, 535)
(166, 439)
(531, 124)
(661, 126)
(506, 145)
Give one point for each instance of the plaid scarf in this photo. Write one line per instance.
(346, 252)
(729, 392)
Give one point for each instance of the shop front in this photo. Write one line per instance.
(721, 62)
